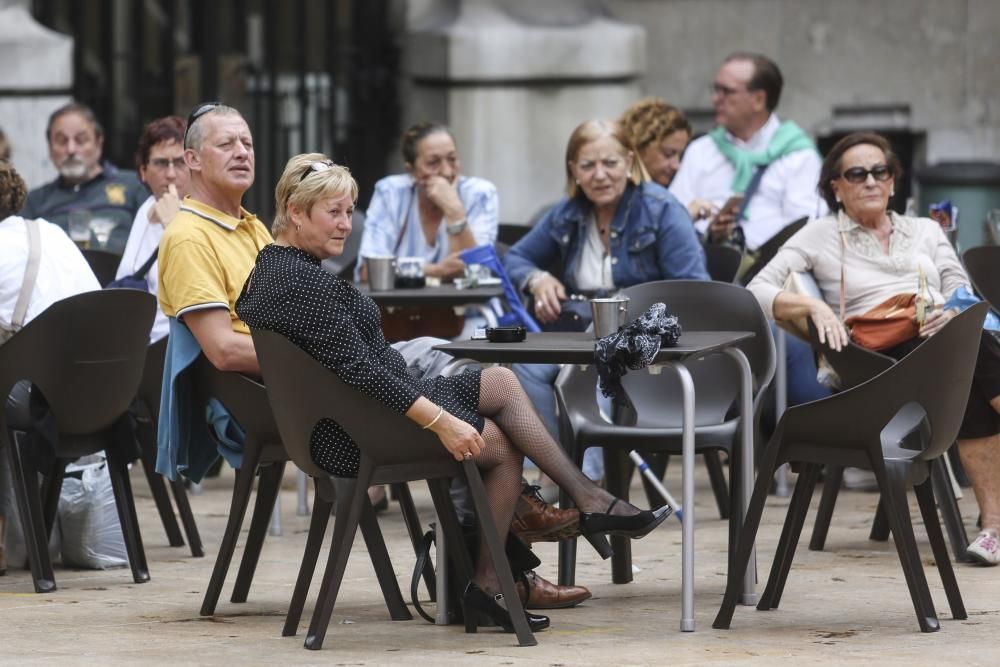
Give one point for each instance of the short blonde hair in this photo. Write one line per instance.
(592, 130)
(308, 178)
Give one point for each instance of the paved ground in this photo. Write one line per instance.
(848, 604)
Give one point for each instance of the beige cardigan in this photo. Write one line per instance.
(870, 275)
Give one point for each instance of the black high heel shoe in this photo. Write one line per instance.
(477, 603)
(635, 526)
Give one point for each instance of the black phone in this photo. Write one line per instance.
(514, 334)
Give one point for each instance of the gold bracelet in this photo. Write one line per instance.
(434, 421)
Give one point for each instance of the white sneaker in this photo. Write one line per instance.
(985, 549)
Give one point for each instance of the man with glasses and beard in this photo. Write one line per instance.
(93, 192)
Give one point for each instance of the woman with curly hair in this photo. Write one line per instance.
(659, 133)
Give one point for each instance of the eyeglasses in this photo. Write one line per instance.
(856, 175)
(315, 168)
(197, 113)
(162, 163)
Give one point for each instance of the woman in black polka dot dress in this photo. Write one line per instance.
(483, 415)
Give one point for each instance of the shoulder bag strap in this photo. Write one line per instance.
(30, 274)
(843, 251)
(423, 559)
(751, 190)
(147, 265)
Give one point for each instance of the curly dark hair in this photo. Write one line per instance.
(13, 191)
(166, 129)
(830, 171)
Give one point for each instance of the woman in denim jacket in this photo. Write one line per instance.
(612, 231)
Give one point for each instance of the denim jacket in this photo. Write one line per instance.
(651, 238)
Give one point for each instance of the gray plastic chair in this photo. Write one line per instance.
(983, 266)
(393, 449)
(859, 427)
(722, 262)
(656, 424)
(85, 356)
(104, 264)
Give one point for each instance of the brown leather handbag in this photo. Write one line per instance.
(888, 324)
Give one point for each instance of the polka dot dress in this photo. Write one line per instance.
(291, 294)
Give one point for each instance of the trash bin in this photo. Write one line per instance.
(974, 187)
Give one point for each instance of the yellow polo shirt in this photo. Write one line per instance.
(205, 257)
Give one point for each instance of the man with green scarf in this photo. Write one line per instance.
(751, 152)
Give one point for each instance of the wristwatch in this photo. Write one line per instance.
(456, 228)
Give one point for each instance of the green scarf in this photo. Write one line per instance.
(788, 139)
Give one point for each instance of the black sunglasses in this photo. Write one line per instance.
(856, 175)
(316, 167)
(197, 113)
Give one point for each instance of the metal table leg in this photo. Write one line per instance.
(780, 402)
(687, 501)
(275, 530)
(746, 430)
(303, 488)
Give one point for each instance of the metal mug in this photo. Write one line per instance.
(609, 314)
(381, 272)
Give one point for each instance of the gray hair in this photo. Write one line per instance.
(196, 130)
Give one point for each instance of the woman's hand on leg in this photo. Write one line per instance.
(458, 437)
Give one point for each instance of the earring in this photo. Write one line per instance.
(837, 197)
(892, 193)
(578, 181)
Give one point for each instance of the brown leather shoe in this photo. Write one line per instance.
(543, 594)
(537, 521)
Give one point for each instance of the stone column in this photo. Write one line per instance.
(512, 78)
(36, 78)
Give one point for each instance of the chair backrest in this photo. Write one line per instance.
(770, 248)
(983, 266)
(510, 233)
(706, 306)
(152, 378)
(343, 264)
(85, 354)
(854, 364)
(722, 261)
(104, 264)
(303, 392)
(244, 398)
(936, 376)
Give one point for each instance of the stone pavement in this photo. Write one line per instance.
(848, 604)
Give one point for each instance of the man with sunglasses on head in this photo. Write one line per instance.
(96, 192)
(752, 160)
(160, 161)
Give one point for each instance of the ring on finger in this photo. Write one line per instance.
(468, 455)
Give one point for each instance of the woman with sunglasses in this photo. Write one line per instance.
(869, 253)
(480, 415)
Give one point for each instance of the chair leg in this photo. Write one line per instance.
(158, 487)
(51, 490)
(125, 504)
(567, 547)
(451, 529)
(717, 477)
(351, 494)
(268, 487)
(833, 477)
(242, 488)
(379, 556)
(950, 512)
(748, 533)
(880, 524)
(789, 540)
(187, 518)
(29, 506)
(925, 498)
(322, 507)
(892, 483)
(411, 519)
(499, 556)
(618, 473)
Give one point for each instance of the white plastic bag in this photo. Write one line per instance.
(88, 519)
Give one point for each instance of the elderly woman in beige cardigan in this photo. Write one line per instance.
(878, 253)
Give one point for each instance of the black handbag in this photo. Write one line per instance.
(138, 279)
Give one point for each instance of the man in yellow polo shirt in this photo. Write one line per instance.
(210, 248)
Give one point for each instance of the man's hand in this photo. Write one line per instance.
(444, 195)
(548, 293)
(166, 207)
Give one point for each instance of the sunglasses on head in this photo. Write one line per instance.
(856, 175)
(316, 167)
(197, 113)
